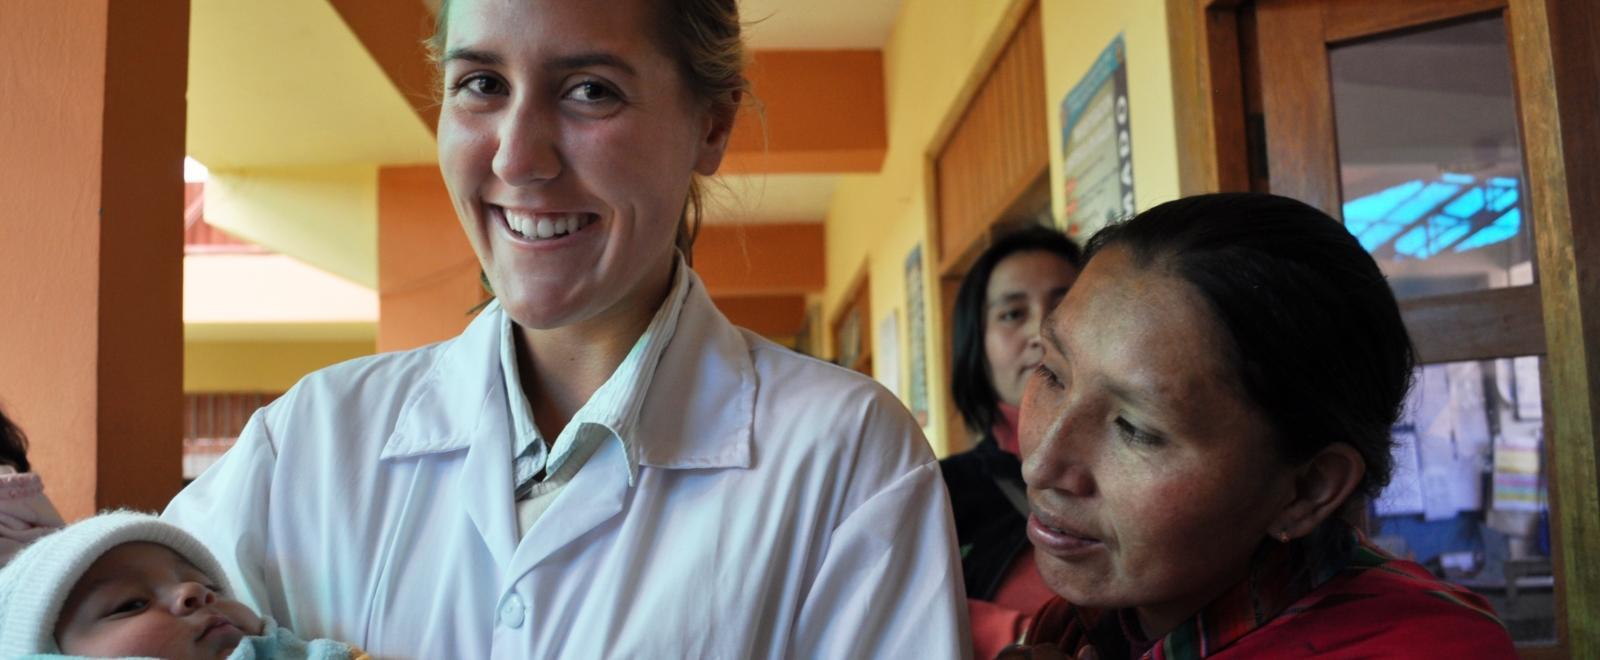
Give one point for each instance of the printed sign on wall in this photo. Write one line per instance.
(1097, 145)
(916, 323)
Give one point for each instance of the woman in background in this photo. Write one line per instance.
(1214, 405)
(25, 513)
(1002, 299)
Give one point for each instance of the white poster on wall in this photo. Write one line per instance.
(916, 305)
(887, 362)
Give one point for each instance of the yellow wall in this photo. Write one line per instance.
(253, 366)
(932, 59)
(324, 216)
(287, 84)
(877, 219)
(1075, 32)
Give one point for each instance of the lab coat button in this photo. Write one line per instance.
(511, 612)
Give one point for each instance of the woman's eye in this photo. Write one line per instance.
(1137, 435)
(1049, 376)
(483, 85)
(590, 91)
(1012, 315)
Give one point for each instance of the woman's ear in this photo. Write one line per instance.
(1321, 487)
(717, 130)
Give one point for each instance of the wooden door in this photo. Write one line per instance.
(852, 346)
(1455, 139)
(989, 175)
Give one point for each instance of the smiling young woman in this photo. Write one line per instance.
(600, 465)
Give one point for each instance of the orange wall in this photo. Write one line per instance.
(761, 259)
(427, 273)
(92, 253)
(774, 317)
(815, 111)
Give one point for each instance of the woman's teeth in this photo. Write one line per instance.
(546, 225)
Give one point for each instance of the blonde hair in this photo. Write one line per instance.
(705, 37)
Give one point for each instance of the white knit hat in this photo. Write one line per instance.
(35, 584)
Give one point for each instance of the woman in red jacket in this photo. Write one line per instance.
(1213, 405)
(995, 344)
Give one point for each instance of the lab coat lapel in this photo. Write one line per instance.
(486, 490)
(461, 404)
(698, 414)
(701, 406)
(594, 496)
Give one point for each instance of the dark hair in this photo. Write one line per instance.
(1311, 325)
(13, 444)
(970, 384)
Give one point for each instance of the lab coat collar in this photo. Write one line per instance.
(698, 411)
(457, 397)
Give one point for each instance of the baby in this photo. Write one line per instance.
(126, 584)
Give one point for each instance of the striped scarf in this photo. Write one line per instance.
(1285, 583)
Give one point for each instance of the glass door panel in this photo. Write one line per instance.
(1429, 159)
(1432, 184)
(1470, 497)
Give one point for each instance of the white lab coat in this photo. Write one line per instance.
(783, 508)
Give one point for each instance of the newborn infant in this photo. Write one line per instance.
(126, 584)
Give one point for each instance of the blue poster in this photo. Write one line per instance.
(1097, 146)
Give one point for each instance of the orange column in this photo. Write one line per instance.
(427, 272)
(91, 258)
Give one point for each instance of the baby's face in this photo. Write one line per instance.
(143, 599)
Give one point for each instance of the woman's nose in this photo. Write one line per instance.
(1035, 325)
(526, 151)
(1059, 459)
(190, 596)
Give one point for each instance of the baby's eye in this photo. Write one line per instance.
(129, 606)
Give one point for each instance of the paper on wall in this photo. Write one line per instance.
(1403, 496)
(1525, 380)
(888, 358)
(1443, 445)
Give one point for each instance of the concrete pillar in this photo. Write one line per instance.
(91, 252)
(427, 273)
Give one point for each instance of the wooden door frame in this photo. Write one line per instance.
(859, 300)
(1561, 152)
(949, 262)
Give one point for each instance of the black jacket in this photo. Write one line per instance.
(989, 528)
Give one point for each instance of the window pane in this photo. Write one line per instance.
(1429, 158)
(1469, 499)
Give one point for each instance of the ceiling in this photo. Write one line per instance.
(285, 84)
(769, 198)
(818, 24)
(809, 24)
